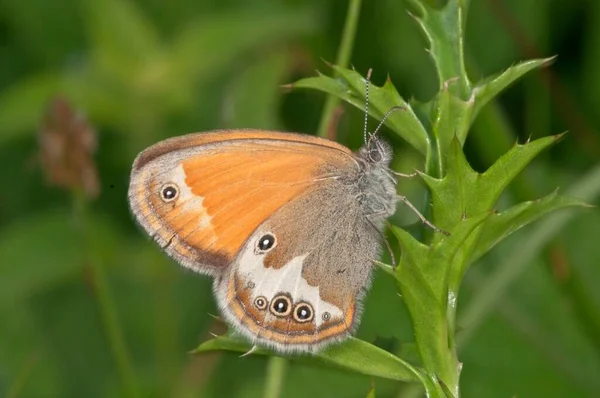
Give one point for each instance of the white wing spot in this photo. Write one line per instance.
(189, 201)
(287, 279)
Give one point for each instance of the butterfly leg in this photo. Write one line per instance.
(404, 175)
(250, 351)
(389, 249)
(421, 216)
(383, 238)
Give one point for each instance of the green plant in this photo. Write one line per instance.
(429, 275)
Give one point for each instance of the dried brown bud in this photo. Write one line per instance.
(67, 143)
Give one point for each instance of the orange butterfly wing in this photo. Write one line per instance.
(228, 183)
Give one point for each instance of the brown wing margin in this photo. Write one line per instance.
(218, 136)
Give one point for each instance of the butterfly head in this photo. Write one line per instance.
(377, 152)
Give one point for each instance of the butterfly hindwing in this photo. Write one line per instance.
(304, 291)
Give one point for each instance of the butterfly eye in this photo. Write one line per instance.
(375, 155)
(169, 192)
(260, 302)
(265, 243)
(303, 312)
(281, 306)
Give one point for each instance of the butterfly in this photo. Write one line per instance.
(288, 225)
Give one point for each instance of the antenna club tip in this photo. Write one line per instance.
(369, 72)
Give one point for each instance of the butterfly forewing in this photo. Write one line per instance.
(201, 196)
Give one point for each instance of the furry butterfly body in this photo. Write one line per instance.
(288, 226)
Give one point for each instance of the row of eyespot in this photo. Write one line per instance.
(281, 306)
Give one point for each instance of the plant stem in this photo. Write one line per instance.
(106, 305)
(275, 372)
(439, 358)
(342, 59)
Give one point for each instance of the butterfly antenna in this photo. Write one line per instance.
(387, 114)
(367, 84)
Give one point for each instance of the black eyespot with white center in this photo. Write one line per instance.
(303, 312)
(265, 243)
(326, 316)
(169, 192)
(281, 306)
(260, 302)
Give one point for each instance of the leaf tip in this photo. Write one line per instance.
(558, 137)
(447, 83)
(329, 64)
(427, 179)
(549, 61)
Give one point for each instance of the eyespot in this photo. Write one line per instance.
(169, 192)
(326, 316)
(260, 302)
(265, 243)
(281, 306)
(375, 155)
(303, 312)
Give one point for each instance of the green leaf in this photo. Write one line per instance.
(453, 196)
(501, 225)
(422, 276)
(444, 29)
(451, 110)
(464, 192)
(353, 355)
(350, 87)
(410, 352)
(427, 266)
(452, 117)
(485, 90)
(445, 249)
(588, 189)
(494, 180)
(446, 390)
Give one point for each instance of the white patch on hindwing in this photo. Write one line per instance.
(268, 282)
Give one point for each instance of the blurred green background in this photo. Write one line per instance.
(76, 274)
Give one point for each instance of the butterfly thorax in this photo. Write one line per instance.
(376, 184)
